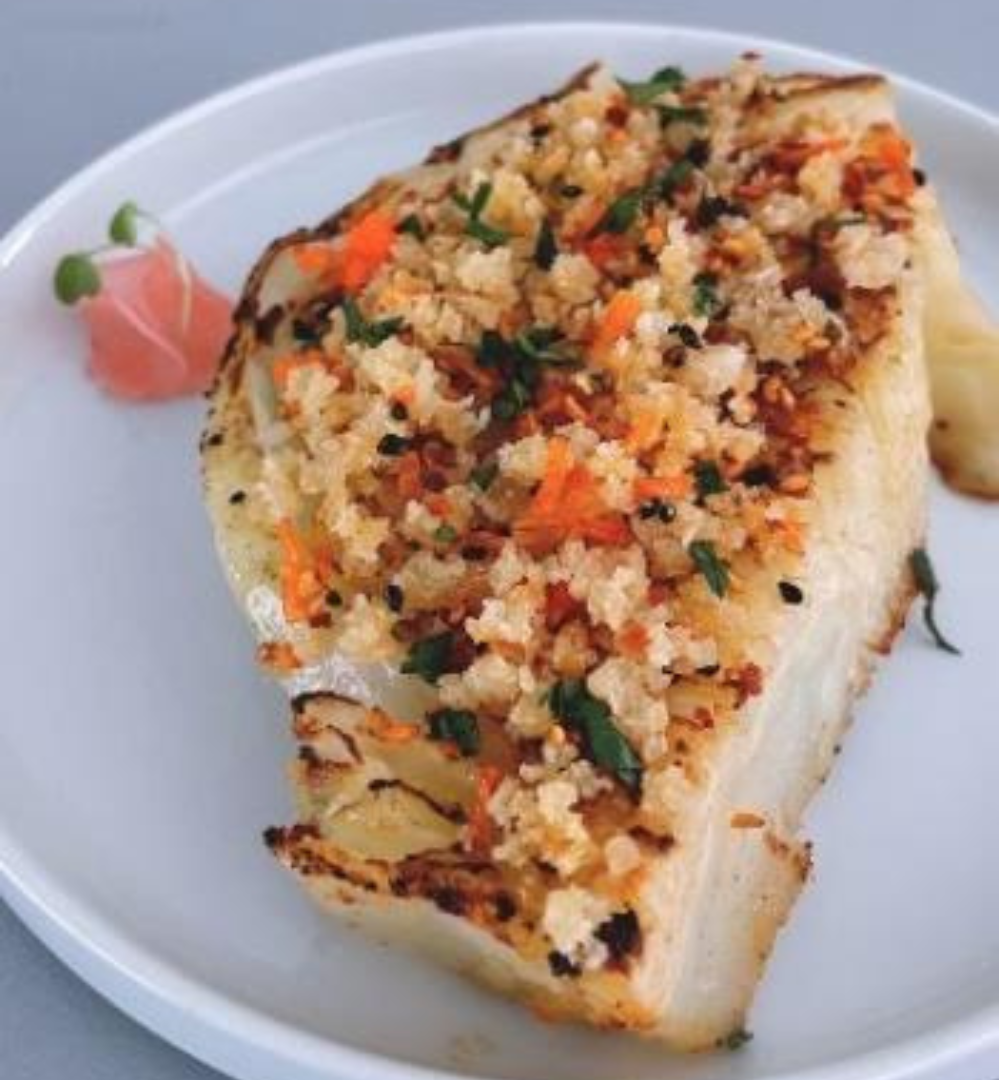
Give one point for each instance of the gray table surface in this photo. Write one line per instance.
(77, 76)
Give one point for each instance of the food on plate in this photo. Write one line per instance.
(962, 343)
(156, 327)
(573, 482)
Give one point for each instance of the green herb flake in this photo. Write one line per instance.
(367, 333)
(681, 114)
(545, 247)
(483, 476)
(621, 214)
(475, 227)
(929, 587)
(76, 276)
(430, 657)
(665, 80)
(445, 534)
(413, 226)
(707, 302)
(124, 225)
(511, 401)
(458, 726)
(573, 705)
(520, 362)
(713, 569)
(673, 178)
(708, 479)
(735, 1040)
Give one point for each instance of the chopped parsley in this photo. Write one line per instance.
(575, 707)
(735, 1040)
(665, 80)
(430, 657)
(621, 214)
(367, 333)
(545, 248)
(713, 569)
(708, 479)
(520, 361)
(681, 114)
(707, 302)
(929, 587)
(412, 225)
(672, 178)
(474, 225)
(445, 534)
(458, 726)
(482, 476)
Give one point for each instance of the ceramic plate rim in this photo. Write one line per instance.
(106, 959)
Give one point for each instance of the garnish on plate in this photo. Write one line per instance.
(157, 329)
(929, 587)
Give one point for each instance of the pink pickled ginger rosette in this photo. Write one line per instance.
(157, 329)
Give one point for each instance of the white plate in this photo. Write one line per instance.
(140, 756)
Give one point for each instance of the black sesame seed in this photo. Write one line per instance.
(237, 497)
(790, 593)
(650, 509)
(919, 176)
(570, 191)
(698, 153)
(709, 670)
(216, 439)
(759, 476)
(399, 411)
(687, 335)
(667, 512)
(394, 597)
(393, 445)
(561, 966)
(334, 599)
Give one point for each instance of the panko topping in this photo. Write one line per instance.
(546, 433)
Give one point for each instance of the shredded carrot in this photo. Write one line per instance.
(314, 259)
(644, 432)
(567, 504)
(480, 824)
(885, 143)
(384, 728)
(608, 530)
(367, 244)
(409, 476)
(405, 395)
(633, 640)
(284, 365)
(620, 316)
(278, 657)
(678, 486)
(438, 504)
(603, 248)
(301, 573)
